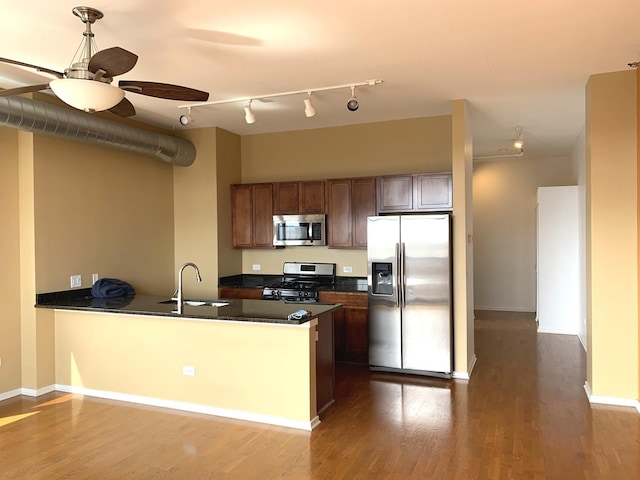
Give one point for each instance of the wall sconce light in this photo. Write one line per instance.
(249, 116)
(309, 109)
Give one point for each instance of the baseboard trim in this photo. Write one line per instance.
(620, 402)
(507, 309)
(193, 407)
(30, 392)
(10, 394)
(557, 332)
(466, 375)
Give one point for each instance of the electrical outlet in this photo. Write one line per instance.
(76, 281)
(94, 277)
(347, 269)
(188, 370)
(256, 266)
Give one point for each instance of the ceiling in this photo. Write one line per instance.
(516, 63)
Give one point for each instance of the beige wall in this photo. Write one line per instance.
(612, 235)
(463, 303)
(402, 146)
(10, 370)
(99, 210)
(504, 204)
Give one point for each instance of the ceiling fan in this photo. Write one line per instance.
(86, 84)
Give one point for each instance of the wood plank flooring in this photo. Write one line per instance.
(523, 415)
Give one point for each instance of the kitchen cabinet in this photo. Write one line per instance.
(240, 293)
(293, 198)
(415, 193)
(252, 215)
(349, 202)
(350, 325)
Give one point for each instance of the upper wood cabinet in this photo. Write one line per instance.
(292, 198)
(252, 215)
(415, 193)
(349, 202)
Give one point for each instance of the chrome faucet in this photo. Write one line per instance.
(179, 294)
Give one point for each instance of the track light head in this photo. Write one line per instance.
(309, 109)
(352, 104)
(519, 142)
(185, 119)
(249, 116)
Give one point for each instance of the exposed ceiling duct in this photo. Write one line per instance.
(39, 117)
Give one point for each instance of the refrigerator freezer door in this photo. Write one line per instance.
(383, 249)
(426, 316)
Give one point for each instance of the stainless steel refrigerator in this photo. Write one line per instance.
(409, 276)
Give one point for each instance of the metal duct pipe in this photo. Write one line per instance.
(38, 117)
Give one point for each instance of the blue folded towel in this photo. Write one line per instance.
(111, 288)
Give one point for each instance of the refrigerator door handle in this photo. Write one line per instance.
(402, 286)
(398, 291)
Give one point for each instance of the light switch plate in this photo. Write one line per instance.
(347, 269)
(256, 266)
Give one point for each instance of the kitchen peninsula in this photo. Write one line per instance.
(242, 359)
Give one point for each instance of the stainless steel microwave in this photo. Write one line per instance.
(299, 230)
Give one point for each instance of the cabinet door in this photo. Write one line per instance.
(242, 216)
(286, 198)
(240, 293)
(363, 198)
(433, 192)
(395, 194)
(339, 216)
(356, 329)
(312, 197)
(263, 215)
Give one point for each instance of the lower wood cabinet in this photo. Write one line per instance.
(240, 293)
(350, 326)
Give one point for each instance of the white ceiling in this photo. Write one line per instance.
(517, 63)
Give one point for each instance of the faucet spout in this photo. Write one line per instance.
(180, 294)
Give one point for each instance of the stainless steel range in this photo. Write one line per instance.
(301, 282)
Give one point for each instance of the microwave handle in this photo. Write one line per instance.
(310, 231)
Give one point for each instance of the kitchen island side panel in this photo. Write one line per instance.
(263, 369)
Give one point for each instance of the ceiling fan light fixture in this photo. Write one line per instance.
(309, 109)
(249, 116)
(87, 95)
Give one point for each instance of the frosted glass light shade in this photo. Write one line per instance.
(87, 95)
(249, 116)
(309, 109)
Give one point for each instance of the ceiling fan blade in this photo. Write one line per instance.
(35, 67)
(124, 109)
(164, 90)
(20, 90)
(115, 61)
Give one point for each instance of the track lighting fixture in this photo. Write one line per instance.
(249, 116)
(519, 142)
(186, 119)
(352, 104)
(309, 109)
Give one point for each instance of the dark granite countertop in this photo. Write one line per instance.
(261, 311)
(343, 284)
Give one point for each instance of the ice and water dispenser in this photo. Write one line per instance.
(382, 278)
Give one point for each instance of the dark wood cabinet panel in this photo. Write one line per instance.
(252, 215)
(286, 198)
(240, 293)
(242, 215)
(395, 194)
(263, 216)
(312, 197)
(433, 192)
(292, 198)
(349, 203)
(351, 326)
(415, 193)
(363, 199)
(339, 214)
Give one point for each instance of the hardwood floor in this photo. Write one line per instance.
(524, 414)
